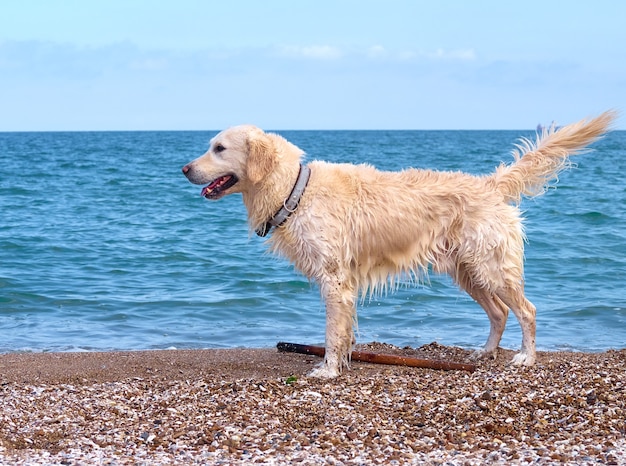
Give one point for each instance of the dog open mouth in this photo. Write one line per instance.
(215, 189)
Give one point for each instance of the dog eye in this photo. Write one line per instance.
(219, 148)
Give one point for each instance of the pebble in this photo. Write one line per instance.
(569, 409)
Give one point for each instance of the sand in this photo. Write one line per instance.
(256, 406)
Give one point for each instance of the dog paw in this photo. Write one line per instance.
(523, 359)
(324, 371)
(484, 354)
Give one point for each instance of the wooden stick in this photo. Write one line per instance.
(380, 358)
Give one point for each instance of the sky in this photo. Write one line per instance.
(298, 64)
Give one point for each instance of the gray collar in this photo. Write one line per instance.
(289, 205)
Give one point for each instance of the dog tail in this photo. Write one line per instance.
(537, 164)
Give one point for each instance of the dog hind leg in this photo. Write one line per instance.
(498, 313)
(496, 310)
(525, 312)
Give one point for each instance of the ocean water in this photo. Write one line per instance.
(104, 245)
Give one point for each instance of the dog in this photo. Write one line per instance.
(354, 229)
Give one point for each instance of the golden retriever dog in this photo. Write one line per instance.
(355, 230)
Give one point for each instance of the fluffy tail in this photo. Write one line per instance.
(538, 163)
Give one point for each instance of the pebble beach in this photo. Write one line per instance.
(257, 406)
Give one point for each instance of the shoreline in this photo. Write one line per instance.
(244, 406)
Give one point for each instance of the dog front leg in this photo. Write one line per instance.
(340, 318)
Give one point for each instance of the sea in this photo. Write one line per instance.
(104, 245)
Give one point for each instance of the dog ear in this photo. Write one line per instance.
(261, 156)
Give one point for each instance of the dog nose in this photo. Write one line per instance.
(186, 169)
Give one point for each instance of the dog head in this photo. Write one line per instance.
(238, 159)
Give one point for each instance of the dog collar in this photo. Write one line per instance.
(289, 205)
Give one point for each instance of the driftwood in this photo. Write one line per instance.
(392, 359)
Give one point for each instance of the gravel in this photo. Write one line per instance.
(256, 406)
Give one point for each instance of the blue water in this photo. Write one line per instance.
(105, 245)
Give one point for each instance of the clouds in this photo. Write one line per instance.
(404, 55)
(374, 52)
(47, 85)
(37, 61)
(315, 52)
